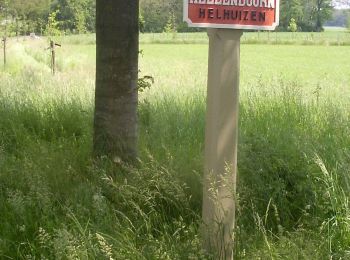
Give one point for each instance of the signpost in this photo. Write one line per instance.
(221, 16)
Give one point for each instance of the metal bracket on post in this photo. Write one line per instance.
(221, 142)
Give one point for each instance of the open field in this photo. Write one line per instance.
(57, 202)
(332, 37)
(321, 71)
(335, 28)
(299, 38)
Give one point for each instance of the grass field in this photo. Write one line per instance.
(331, 37)
(57, 202)
(275, 38)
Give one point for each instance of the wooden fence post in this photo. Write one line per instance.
(4, 41)
(53, 55)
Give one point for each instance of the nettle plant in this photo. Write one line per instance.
(170, 27)
(293, 26)
(144, 82)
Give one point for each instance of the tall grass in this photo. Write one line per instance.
(337, 38)
(334, 38)
(58, 202)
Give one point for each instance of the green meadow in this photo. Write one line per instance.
(333, 36)
(59, 202)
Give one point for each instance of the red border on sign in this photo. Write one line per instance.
(234, 17)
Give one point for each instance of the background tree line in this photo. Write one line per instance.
(307, 15)
(312, 15)
(48, 16)
(340, 18)
(78, 16)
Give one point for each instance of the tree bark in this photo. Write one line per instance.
(116, 97)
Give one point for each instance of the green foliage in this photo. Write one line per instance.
(293, 27)
(290, 9)
(58, 202)
(170, 27)
(323, 12)
(158, 14)
(339, 18)
(330, 37)
(145, 83)
(79, 15)
(76, 16)
(28, 16)
(309, 15)
(52, 27)
(83, 208)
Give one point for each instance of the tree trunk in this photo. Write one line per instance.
(116, 97)
(17, 27)
(318, 17)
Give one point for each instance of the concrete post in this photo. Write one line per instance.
(221, 142)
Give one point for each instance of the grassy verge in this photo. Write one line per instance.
(57, 202)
